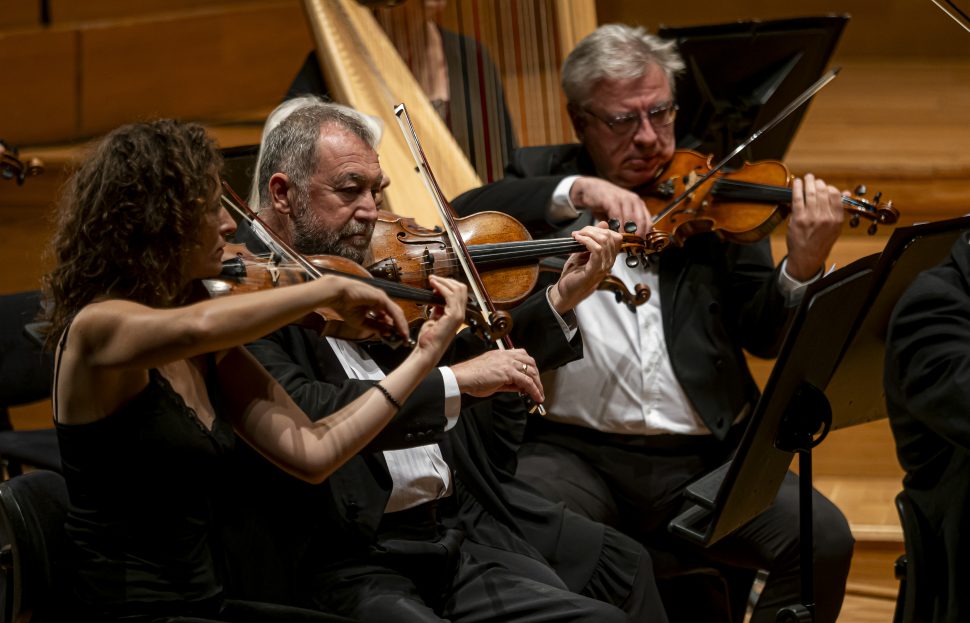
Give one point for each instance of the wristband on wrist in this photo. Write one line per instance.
(391, 399)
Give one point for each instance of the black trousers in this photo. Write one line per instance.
(637, 486)
(420, 571)
(228, 611)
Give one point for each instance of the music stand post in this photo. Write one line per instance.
(808, 415)
(828, 376)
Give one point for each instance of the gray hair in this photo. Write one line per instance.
(616, 52)
(290, 140)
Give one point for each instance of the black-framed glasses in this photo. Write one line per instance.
(629, 123)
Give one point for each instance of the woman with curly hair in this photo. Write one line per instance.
(149, 385)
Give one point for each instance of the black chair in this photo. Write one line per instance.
(915, 569)
(26, 373)
(32, 511)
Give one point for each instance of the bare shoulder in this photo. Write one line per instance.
(97, 321)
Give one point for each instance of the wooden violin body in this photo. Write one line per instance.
(243, 271)
(493, 328)
(410, 255)
(741, 206)
(503, 252)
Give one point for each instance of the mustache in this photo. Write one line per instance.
(356, 228)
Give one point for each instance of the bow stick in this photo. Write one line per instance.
(474, 280)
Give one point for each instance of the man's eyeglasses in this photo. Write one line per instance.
(629, 123)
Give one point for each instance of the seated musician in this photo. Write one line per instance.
(928, 397)
(150, 386)
(661, 395)
(418, 527)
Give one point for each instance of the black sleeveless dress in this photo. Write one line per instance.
(140, 484)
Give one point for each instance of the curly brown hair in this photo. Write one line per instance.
(130, 216)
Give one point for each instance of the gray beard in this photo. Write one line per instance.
(311, 238)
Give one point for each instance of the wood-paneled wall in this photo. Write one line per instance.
(103, 63)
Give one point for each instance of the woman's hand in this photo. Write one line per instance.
(437, 332)
(355, 310)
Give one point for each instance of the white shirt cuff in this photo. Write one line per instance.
(452, 397)
(561, 208)
(792, 288)
(569, 324)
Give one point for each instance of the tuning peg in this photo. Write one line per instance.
(875, 200)
(632, 261)
(614, 224)
(630, 227)
(872, 229)
(854, 220)
(860, 189)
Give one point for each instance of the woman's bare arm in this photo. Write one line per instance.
(121, 334)
(268, 419)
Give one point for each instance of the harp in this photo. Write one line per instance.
(527, 41)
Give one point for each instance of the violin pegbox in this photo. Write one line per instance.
(636, 247)
(875, 211)
(639, 249)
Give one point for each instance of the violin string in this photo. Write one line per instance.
(498, 253)
(726, 188)
(398, 290)
(449, 263)
(741, 190)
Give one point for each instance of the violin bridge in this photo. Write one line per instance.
(273, 268)
(690, 181)
(667, 188)
(427, 263)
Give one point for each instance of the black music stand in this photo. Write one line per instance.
(740, 75)
(239, 168)
(828, 375)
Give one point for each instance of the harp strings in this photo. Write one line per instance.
(500, 86)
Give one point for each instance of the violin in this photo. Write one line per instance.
(500, 247)
(13, 168)
(243, 271)
(741, 206)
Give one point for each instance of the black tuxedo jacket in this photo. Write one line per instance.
(717, 298)
(927, 379)
(316, 527)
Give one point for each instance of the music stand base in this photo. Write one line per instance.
(794, 614)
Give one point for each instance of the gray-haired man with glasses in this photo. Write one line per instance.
(663, 393)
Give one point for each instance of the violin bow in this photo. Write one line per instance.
(795, 104)
(479, 294)
(954, 12)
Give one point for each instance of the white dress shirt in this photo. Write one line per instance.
(418, 474)
(625, 382)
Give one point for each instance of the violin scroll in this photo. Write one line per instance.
(744, 205)
(876, 212)
(639, 296)
(636, 247)
(13, 168)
